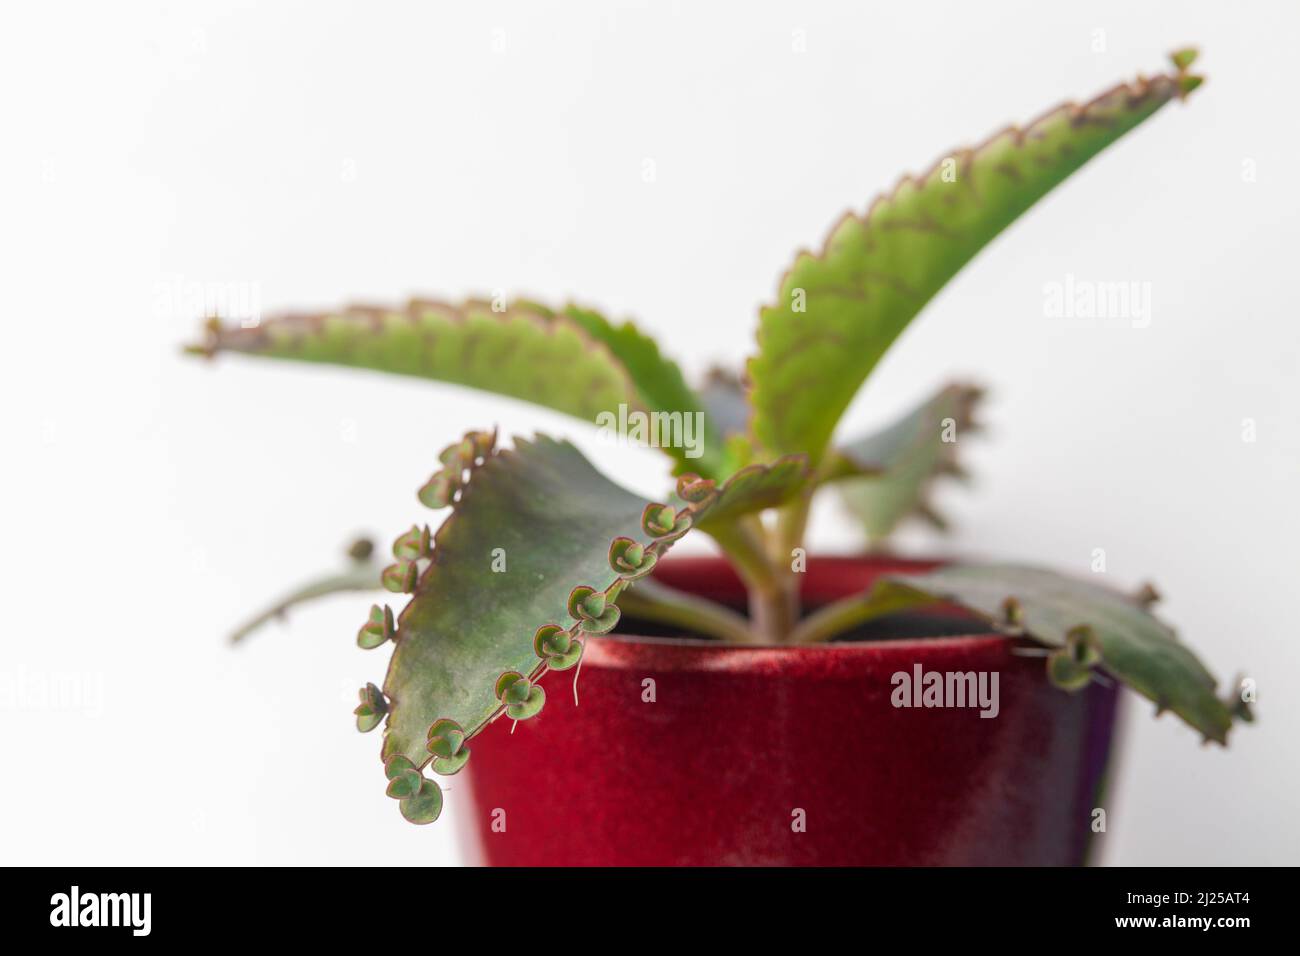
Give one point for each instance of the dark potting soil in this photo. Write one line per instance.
(891, 627)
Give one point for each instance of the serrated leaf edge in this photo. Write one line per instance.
(1135, 91)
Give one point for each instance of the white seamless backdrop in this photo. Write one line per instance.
(308, 154)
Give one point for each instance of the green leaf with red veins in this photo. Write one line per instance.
(838, 311)
(661, 389)
(514, 353)
(755, 488)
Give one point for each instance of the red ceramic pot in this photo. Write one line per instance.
(790, 755)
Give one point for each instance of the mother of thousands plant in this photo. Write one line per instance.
(471, 644)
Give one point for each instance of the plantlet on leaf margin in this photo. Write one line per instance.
(378, 629)
(447, 745)
(630, 559)
(696, 490)
(400, 577)
(413, 544)
(557, 647)
(523, 698)
(471, 645)
(663, 522)
(403, 779)
(1070, 668)
(420, 798)
(590, 608)
(371, 710)
(459, 460)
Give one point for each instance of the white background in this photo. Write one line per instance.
(332, 152)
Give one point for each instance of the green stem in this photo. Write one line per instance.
(771, 611)
(362, 576)
(791, 526)
(660, 604)
(842, 615)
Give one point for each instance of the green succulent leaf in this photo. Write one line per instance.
(439, 490)
(379, 628)
(400, 577)
(522, 706)
(626, 554)
(459, 456)
(555, 517)
(644, 569)
(566, 659)
(447, 766)
(551, 639)
(1090, 624)
(425, 806)
(397, 765)
(446, 738)
(1067, 673)
(513, 352)
(505, 682)
(755, 488)
(839, 310)
(659, 384)
(887, 476)
(518, 691)
(658, 520)
(696, 490)
(370, 712)
(605, 622)
(405, 784)
(523, 698)
(413, 544)
(560, 649)
(586, 603)
(1070, 667)
(630, 559)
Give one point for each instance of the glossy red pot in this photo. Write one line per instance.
(789, 756)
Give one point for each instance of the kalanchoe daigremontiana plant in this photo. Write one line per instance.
(472, 645)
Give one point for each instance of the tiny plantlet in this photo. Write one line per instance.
(539, 554)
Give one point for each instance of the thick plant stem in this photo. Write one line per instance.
(783, 542)
(771, 612)
(791, 526)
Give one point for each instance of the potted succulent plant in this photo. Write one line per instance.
(763, 706)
